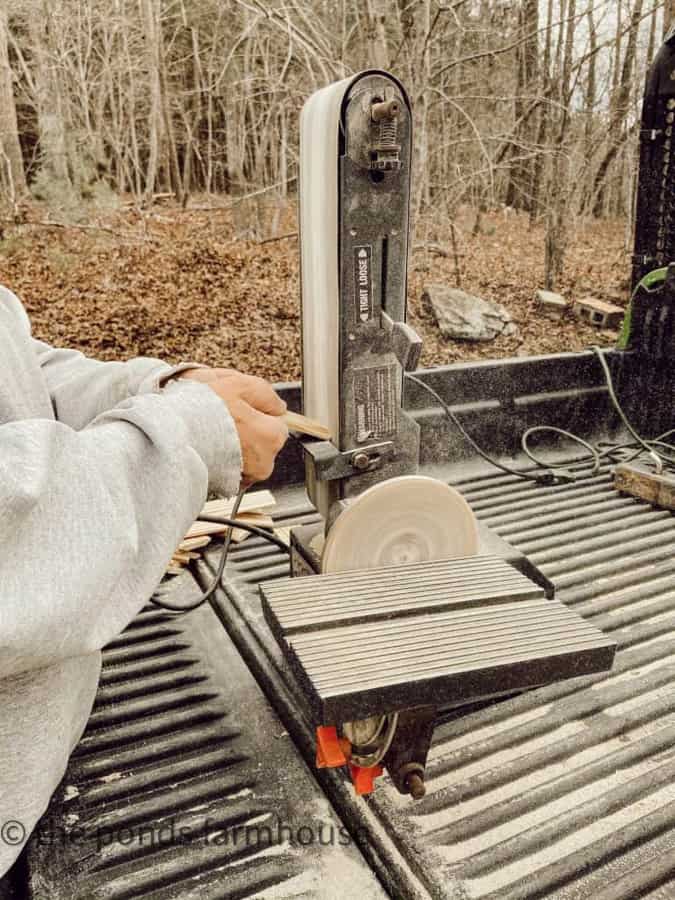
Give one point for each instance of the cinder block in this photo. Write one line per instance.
(550, 304)
(598, 313)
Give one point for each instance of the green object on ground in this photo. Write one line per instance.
(653, 281)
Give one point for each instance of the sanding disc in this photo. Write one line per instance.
(399, 522)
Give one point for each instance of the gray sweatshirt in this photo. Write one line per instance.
(101, 473)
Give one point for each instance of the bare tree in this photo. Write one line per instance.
(156, 136)
(12, 176)
(618, 128)
(45, 24)
(527, 78)
(510, 98)
(668, 15)
(557, 222)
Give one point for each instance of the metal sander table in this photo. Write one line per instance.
(431, 634)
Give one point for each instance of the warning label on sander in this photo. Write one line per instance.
(363, 282)
(376, 402)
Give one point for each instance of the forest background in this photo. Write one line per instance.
(149, 162)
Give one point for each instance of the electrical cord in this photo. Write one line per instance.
(252, 529)
(631, 450)
(595, 455)
(213, 587)
(232, 523)
(548, 474)
(622, 415)
(659, 442)
(545, 477)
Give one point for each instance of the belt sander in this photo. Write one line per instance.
(399, 603)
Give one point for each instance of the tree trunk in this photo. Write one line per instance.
(49, 100)
(591, 85)
(12, 176)
(542, 120)
(527, 64)
(619, 110)
(377, 13)
(651, 47)
(557, 229)
(668, 16)
(151, 17)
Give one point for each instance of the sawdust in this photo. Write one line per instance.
(183, 287)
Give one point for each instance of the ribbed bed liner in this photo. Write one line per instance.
(570, 791)
(567, 791)
(564, 792)
(185, 784)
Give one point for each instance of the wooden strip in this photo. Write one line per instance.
(184, 558)
(302, 425)
(640, 481)
(199, 529)
(260, 520)
(260, 500)
(284, 534)
(195, 543)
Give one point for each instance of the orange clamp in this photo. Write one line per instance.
(364, 778)
(331, 750)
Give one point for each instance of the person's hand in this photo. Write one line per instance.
(256, 410)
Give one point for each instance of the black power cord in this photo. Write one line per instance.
(548, 474)
(647, 446)
(252, 529)
(231, 523)
(594, 454)
(545, 477)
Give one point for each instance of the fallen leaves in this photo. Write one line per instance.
(193, 292)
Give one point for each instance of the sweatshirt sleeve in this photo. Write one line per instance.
(82, 388)
(90, 518)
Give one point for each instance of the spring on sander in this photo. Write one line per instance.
(388, 138)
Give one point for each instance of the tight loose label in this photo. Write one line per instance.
(363, 282)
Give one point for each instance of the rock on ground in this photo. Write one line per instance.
(465, 317)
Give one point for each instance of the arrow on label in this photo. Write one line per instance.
(362, 253)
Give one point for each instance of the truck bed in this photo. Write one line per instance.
(566, 791)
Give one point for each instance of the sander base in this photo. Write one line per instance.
(307, 543)
(392, 647)
(438, 634)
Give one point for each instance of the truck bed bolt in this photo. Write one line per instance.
(416, 786)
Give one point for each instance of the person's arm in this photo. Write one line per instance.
(90, 518)
(82, 388)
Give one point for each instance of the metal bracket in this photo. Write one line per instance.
(406, 343)
(330, 464)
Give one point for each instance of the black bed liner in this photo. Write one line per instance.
(566, 791)
(186, 785)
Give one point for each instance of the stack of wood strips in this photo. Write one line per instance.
(255, 510)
